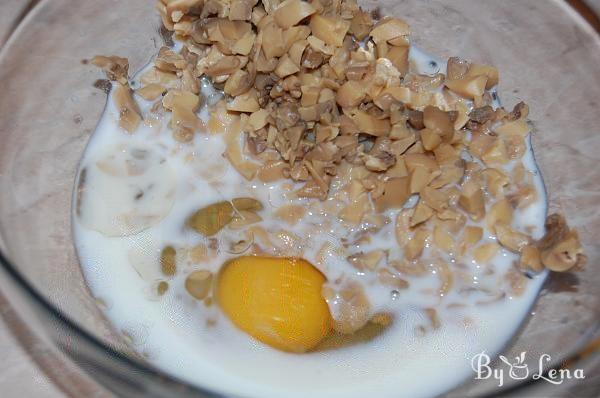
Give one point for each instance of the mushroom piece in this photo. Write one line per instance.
(435, 198)
(369, 124)
(243, 218)
(499, 213)
(130, 115)
(291, 12)
(168, 264)
(351, 94)
(468, 87)
(488, 71)
(183, 105)
(361, 25)
(419, 178)
(233, 152)
(496, 153)
(565, 255)
(151, 91)
(415, 119)
(115, 68)
(483, 253)
(518, 127)
(482, 115)
(247, 102)
(176, 9)
(238, 83)
(156, 76)
(198, 284)
(169, 61)
(520, 111)
(366, 261)
(415, 246)
(349, 305)
(396, 192)
(457, 68)
(211, 219)
(399, 57)
(472, 200)
(311, 58)
(531, 259)
(471, 236)
(392, 30)
(511, 239)
(286, 67)
(224, 67)
(379, 158)
(421, 214)
(415, 160)
(439, 121)
(560, 249)
(442, 238)
(241, 10)
(331, 30)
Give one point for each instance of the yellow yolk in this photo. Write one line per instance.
(275, 300)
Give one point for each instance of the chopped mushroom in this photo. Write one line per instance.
(438, 121)
(366, 261)
(379, 158)
(115, 68)
(291, 12)
(472, 200)
(199, 283)
(238, 83)
(169, 61)
(560, 249)
(395, 194)
(488, 71)
(511, 239)
(531, 259)
(322, 93)
(361, 24)
(457, 68)
(151, 91)
(482, 115)
(331, 30)
(183, 106)
(241, 10)
(391, 30)
(468, 87)
(130, 115)
(351, 94)
(349, 305)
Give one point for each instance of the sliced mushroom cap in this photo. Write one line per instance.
(127, 190)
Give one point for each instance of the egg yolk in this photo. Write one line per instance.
(277, 301)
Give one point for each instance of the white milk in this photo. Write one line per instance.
(197, 343)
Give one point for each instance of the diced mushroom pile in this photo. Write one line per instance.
(324, 91)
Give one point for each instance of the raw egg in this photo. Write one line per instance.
(277, 301)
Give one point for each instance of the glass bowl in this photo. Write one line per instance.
(547, 55)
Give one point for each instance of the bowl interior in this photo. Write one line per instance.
(547, 56)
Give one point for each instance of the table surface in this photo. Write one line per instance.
(21, 374)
